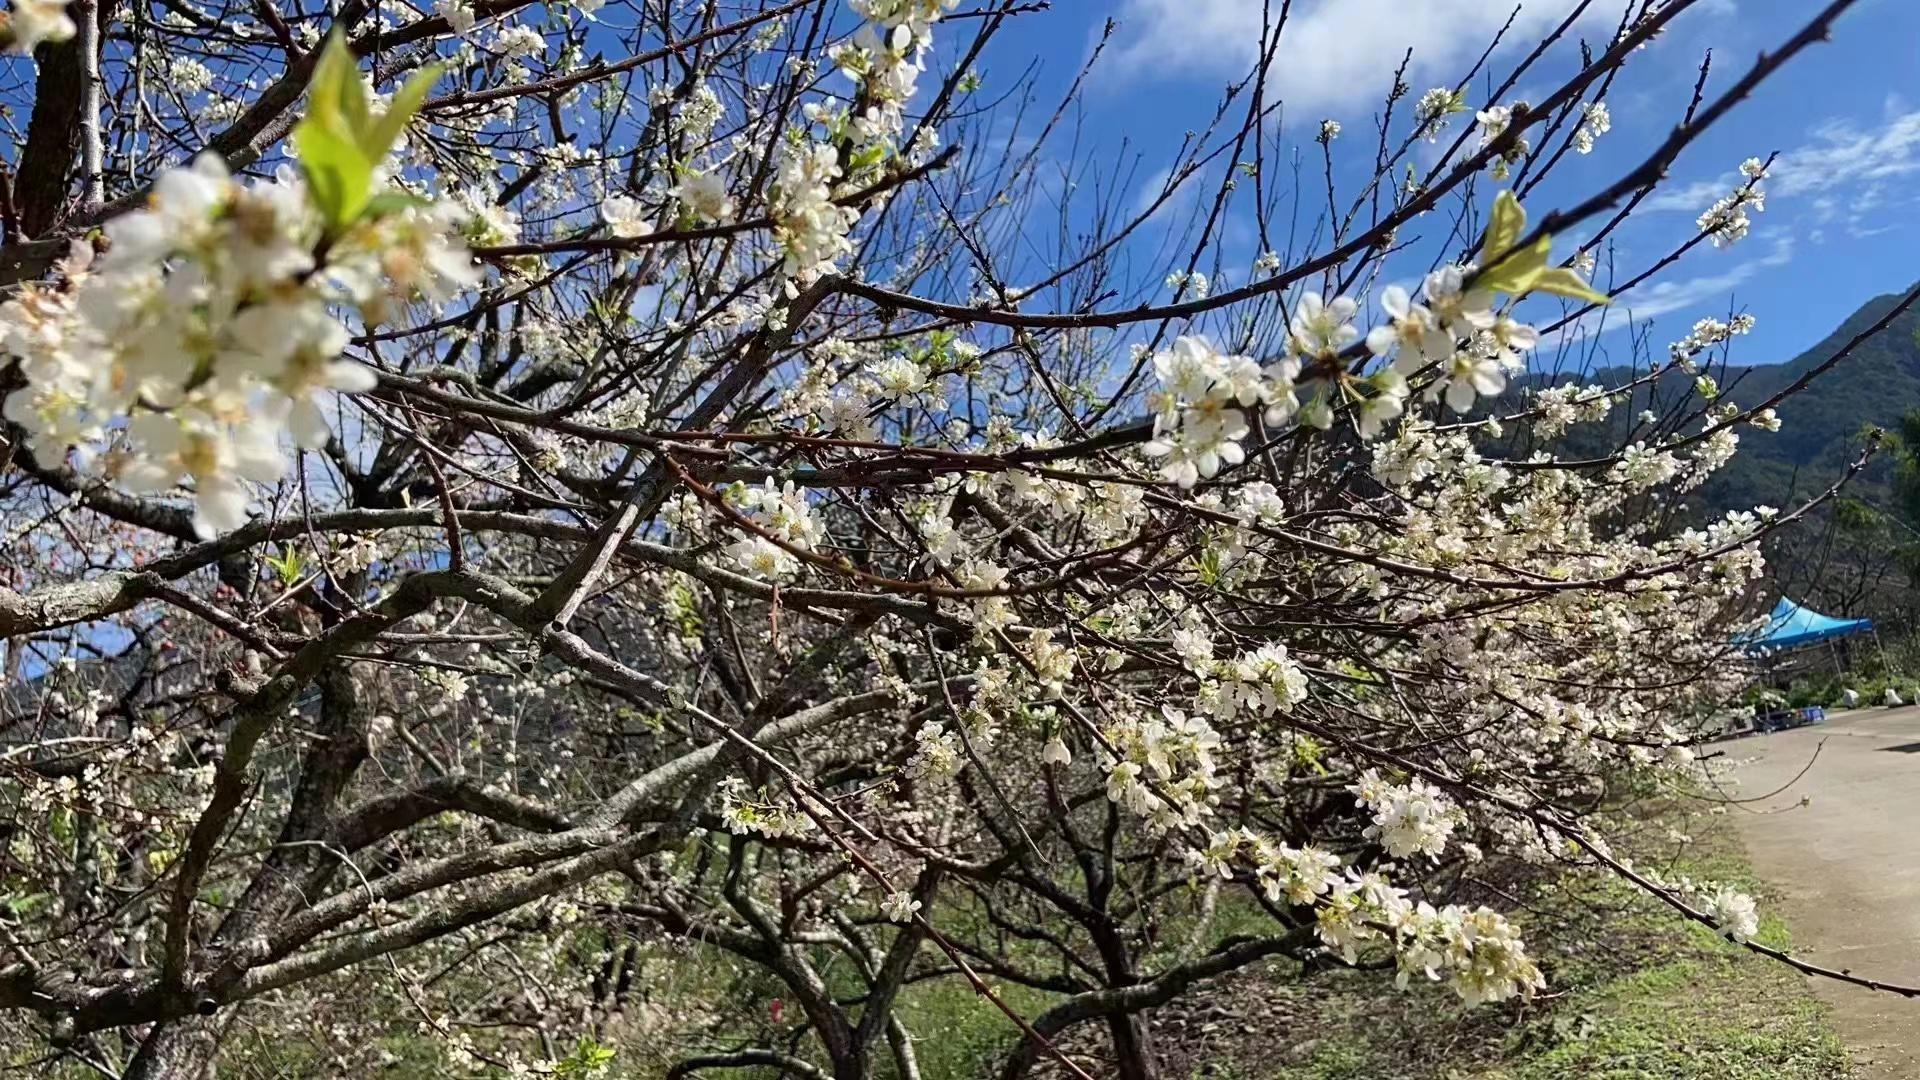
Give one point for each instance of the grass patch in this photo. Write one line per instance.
(1713, 1014)
(958, 1033)
(1636, 993)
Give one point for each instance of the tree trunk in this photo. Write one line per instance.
(40, 188)
(1132, 1056)
(180, 1049)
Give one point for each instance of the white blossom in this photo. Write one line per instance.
(705, 195)
(625, 218)
(31, 22)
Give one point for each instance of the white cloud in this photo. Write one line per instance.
(1334, 54)
(1842, 153)
(1691, 198)
(1156, 186)
(1661, 297)
(1839, 155)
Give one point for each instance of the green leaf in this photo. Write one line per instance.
(1307, 754)
(589, 1058)
(335, 92)
(1561, 281)
(1503, 229)
(382, 133)
(1317, 413)
(392, 202)
(1209, 565)
(288, 566)
(341, 141)
(25, 904)
(338, 170)
(339, 176)
(867, 159)
(1518, 271)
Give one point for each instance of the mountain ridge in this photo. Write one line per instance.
(1820, 425)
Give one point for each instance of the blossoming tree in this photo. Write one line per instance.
(510, 506)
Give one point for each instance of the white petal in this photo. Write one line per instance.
(256, 457)
(351, 378)
(145, 477)
(309, 425)
(133, 239)
(1381, 339)
(219, 506)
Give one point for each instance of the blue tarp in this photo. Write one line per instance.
(1789, 625)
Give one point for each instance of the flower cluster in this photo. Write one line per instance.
(694, 113)
(899, 907)
(205, 332)
(810, 228)
(1414, 818)
(30, 22)
(1455, 328)
(1595, 121)
(1264, 681)
(936, 752)
(1733, 912)
(1706, 334)
(458, 13)
(625, 218)
(1726, 220)
(782, 514)
(1557, 408)
(1476, 951)
(1189, 285)
(1299, 875)
(1200, 407)
(1165, 769)
(1730, 910)
(1494, 121)
(1052, 664)
(1434, 107)
(744, 811)
(703, 195)
(885, 59)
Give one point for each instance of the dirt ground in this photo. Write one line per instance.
(1846, 866)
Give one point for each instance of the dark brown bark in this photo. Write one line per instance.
(53, 134)
(175, 1050)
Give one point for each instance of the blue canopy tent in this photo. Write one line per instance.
(1790, 626)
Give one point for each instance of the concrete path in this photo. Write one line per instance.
(1845, 868)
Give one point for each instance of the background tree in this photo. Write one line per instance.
(533, 536)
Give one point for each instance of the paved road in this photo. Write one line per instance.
(1846, 867)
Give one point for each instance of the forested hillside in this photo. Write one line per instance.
(1821, 428)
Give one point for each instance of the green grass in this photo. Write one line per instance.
(1691, 1005)
(1636, 994)
(958, 1033)
(1707, 1015)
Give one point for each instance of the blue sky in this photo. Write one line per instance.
(1844, 116)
